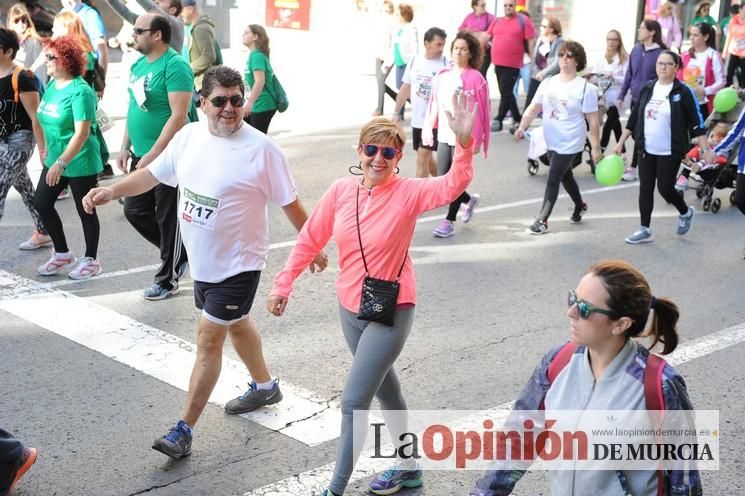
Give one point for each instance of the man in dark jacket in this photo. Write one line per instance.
(200, 42)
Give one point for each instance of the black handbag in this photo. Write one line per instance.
(378, 300)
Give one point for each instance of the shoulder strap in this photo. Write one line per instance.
(560, 361)
(14, 83)
(655, 401)
(522, 23)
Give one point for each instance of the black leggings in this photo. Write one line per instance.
(506, 79)
(740, 192)
(662, 169)
(612, 124)
(560, 171)
(44, 200)
(261, 120)
(445, 154)
(735, 67)
(534, 84)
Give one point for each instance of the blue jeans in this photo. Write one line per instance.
(399, 81)
(525, 78)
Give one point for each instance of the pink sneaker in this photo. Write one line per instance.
(444, 230)
(682, 183)
(57, 263)
(36, 241)
(630, 174)
(87, 268)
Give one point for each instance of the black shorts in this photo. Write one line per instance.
(228, 301)
(416, 136)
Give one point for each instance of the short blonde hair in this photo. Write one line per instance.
(382, 130)
(721, 129)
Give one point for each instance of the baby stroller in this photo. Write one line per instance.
(706, 178)
(538, 152)
(537, 146)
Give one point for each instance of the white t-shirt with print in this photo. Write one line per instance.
(419, 74)
(448, 83)
(225, 185)
(564, 107)
(657, 124)
(698, 62)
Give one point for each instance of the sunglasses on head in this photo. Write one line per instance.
(388, 152)
(585, 309)
(569, 55)
(221, 101)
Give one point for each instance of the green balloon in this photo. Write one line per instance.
(725, 100)
(609, 170)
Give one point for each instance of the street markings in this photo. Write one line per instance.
(302, 415)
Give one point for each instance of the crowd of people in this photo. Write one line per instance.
(196, 217)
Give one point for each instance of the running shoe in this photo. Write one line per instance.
(57, 263)
(469, 208)
(538, 227)
(177, 443)
(87, 268)
(64, 194)
(157, 292)
(643, 235)
(682, 183)
(685, 221)
(254, 398)
(576, 217)
(29, 458)
(444, 230)
(106, 173)
(36, 241)
(394, 479)
(325, 492)
(630, 174)
(496, 126)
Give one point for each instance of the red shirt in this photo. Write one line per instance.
(508, 40)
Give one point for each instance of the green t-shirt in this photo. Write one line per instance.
(258, 61)
(59, 110)
(91, 65)
(149, 85)
(187, 42)
(706, 20)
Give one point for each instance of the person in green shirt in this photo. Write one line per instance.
(702, 16)
(160, 90)
(260, 104)
(67, 114)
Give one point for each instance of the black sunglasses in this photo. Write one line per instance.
(139, 31)
(566, 54)
(586, 309)
(388, 152)
(49, 56)
(221, 101)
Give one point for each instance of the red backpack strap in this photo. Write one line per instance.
(655, 400)
(560, 361)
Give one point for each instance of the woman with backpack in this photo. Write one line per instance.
(19, 131)
(261, 102)
(663, 121)
(604, 368)
(703, 68)
(569, 103)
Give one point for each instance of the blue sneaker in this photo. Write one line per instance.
(685, 221)
(177, 443)
(643, 235)
(157, 292)
(394, 479)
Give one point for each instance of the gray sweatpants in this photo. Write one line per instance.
(375, 347)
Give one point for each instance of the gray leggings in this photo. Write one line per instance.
(375, 347)
(445, 155)
(560, 171)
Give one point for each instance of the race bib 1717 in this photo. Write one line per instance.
(199, 210)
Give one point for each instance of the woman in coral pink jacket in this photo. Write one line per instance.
(462, 76)
(372, 220)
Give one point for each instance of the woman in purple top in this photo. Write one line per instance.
(478, 23)
(642, 68)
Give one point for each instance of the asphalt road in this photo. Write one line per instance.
(492, 300)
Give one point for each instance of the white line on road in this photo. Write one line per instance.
(306, 482)
(161, 355)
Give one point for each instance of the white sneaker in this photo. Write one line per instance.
(57, 263)
(87, 268)
(37, 240)
(630, 174)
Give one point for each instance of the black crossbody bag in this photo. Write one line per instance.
(378, 300)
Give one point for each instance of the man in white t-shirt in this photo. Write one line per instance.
(417, 84)
(226, 172)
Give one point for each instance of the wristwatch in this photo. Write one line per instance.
(61, 164)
